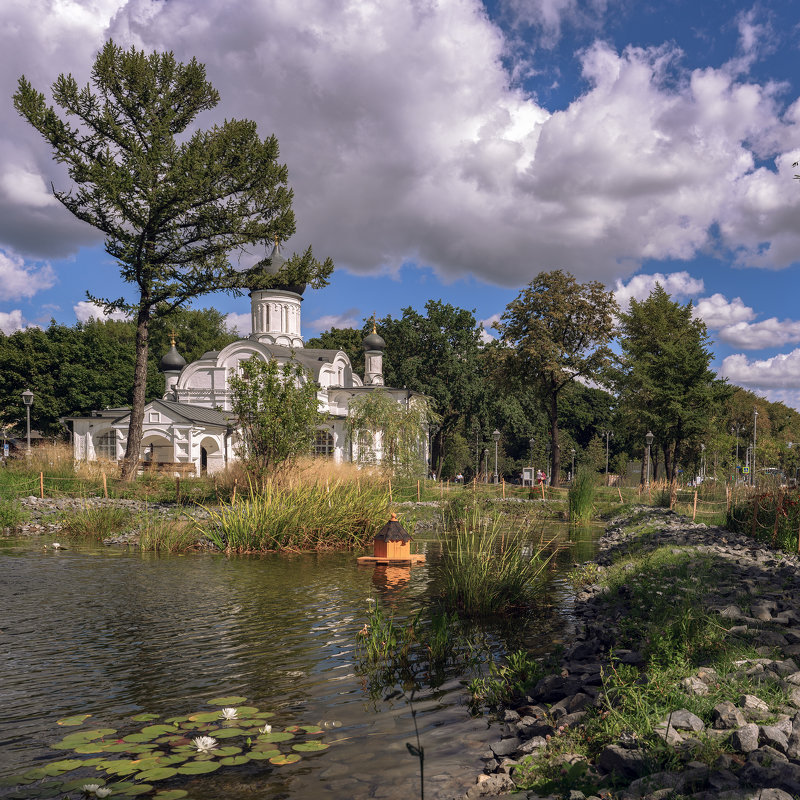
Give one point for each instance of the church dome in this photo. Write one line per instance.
(374, 341)
(172, 361)
(273, 265)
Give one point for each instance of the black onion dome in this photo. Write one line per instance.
(374, 341)
(273, 265)
(392, 531)
(172, 361)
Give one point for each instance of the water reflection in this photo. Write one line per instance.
(114, 633)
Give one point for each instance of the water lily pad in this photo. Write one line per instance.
(202, 716)
(280, 761)
(144, 717)
(234, 761)
(227, 733)
(312, 729)
(138, 737)
(175, 720)
(59, 767)
(226, 701)
(14, 780)
(122, 767)
(133, 791)
(263, 755)
(246, 711)
(228, 751)
(171, 794)
(43, 790)
(89, 747)
(276, 736)
(310, 747)
(76, 719)
(264, 714)
(35, 774)
(77, 783)
(158, 774)
(198, 768)
(157, 730)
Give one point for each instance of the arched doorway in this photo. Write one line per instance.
(156, 449)
(203, 461)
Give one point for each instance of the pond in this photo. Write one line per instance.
(115, 633)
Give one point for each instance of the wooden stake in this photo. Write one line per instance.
(105, 487)
(418, 490)
(441, 490)
(178, 489)
(504, 488)
(728, 498)
(694, 508)
(542, 485)
(41, 485)
(619, 492)
(233, 498)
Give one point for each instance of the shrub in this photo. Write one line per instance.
(12, 515)
(162, 534)
(96, 521)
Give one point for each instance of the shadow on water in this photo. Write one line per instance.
(116, 633)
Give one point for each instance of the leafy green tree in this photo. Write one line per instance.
(348, 340)
(437, 354)
(278, 413)
(664, 380)
(377, 422)
(557, 330)
(171, 206)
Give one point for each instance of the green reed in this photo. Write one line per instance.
(341, 516)
(581, 497)
(487, 569)
(95, 521)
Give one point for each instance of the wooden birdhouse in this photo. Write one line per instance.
(392, 541)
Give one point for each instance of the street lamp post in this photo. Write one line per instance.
(755, 425)
(496, 437)
(27, 398)
(649, 439)
(572, 473)
(608, 433)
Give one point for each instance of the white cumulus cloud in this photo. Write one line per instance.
(778, 372)
(86, 310)
(11, 321)
(347, 319)
(243, 323)
(678, 285)
(770, 332)
(18, 279)
(719, 312)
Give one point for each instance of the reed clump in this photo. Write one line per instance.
(95, 521)
(581, 497)
(486, 569)
(167, 534)
(338, 516)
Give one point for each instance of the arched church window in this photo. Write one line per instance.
(105, 445)
(323, 443)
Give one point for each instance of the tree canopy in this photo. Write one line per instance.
(172, 207)
(557, 330)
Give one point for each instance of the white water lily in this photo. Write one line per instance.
(228, 713)
(266, 729)
(205, 744)
(102, 792)
(90, 788)
(56, 546)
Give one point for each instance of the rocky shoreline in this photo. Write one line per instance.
(756, 597)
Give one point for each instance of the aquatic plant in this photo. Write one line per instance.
(295, 518)
(486, 569)
(166, 534)
(12, 515)
(580, 497)
(95, 521)
(108, 763)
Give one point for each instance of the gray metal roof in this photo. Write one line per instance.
(206, 416)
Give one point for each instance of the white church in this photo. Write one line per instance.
(193, 429)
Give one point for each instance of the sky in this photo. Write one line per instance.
(454, 149)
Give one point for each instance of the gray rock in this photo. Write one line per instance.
(622, 762)
(745, 739)
(491, 786)
(533, 745)
(725, 715)
(684, 720)
(506, 747)
(510, 716)
(694, 686)
(753, 707)
(773, 736)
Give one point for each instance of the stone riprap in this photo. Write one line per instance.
(761, 759)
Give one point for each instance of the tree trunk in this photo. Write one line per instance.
(130, 462)
(555, 464)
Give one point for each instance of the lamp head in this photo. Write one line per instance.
(27, 397)
(649, 438)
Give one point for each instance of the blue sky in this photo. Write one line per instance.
(453, 149)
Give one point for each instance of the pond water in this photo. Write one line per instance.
(113, 633)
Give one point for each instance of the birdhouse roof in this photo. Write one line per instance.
(393, 531)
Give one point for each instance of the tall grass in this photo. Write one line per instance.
(486, 569)
(12, 515)
(581, 497)
(95, 521)
(167, 534)
(300, 517)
